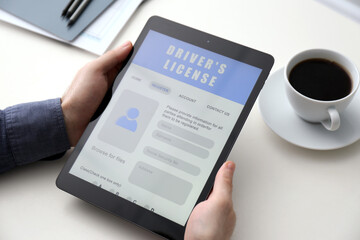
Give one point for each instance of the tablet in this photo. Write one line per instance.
(177, 108)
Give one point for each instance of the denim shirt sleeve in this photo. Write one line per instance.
(30, 132)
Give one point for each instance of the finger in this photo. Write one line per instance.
(114, 57)
(223, 181)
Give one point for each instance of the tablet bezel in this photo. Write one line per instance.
(126, 209)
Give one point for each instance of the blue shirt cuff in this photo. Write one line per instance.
(36, 130)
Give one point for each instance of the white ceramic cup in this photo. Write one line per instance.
(318, 111)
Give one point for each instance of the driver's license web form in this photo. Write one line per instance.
(166, 125)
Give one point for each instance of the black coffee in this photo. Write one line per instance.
(320, 79)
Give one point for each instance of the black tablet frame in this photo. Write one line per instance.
(126, 209)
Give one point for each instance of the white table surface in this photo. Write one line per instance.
(281, 192)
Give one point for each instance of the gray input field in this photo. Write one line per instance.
(181, 144)
(172, 161)
(183, 133)
(160, 183)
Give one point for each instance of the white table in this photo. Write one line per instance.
(281, 191)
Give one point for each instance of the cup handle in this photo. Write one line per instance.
(333, 123)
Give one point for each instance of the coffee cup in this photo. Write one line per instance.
(320, 84)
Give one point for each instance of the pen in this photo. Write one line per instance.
(67, 8)
(78, 12)
(73, 7)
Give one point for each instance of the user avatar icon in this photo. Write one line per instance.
(128, 121)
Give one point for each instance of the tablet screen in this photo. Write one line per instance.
(166, 125)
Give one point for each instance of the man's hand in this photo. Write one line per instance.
(88, 88)
(214, 218)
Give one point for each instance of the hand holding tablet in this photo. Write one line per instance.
(215, 218)
(191, 93)
(88, 89)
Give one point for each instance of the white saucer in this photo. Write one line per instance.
(281, 118)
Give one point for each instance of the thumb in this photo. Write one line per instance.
(223, 181)
(114, 57)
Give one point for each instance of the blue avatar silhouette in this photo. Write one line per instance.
(128, 121)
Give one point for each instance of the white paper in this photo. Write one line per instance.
(350, 8)
(99, 35)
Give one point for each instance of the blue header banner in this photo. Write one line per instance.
(198, 67)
